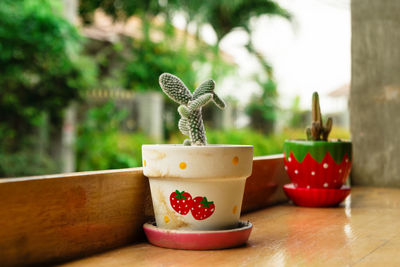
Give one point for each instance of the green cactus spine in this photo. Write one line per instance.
(318, 131)
(191, 122)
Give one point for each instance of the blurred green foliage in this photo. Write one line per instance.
(262, 108)
(40, 65)
(296, 117)
(263, 144)
(149, 60)
(120, 9)
(100, 145)
(25, 162)
(42, 71)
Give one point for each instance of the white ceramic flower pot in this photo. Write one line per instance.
(197, 187)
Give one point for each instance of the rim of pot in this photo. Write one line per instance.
(181, 146)
(309, 142)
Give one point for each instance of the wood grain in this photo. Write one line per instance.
(54, 218)
(59, 217)
(363, 231)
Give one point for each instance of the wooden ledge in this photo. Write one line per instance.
(54, 218)
(363, 231)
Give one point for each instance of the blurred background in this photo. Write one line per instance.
(79, 78)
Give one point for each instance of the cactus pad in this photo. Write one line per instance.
(191, 122)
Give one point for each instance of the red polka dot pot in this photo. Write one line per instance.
(317, 164)
(197, 187)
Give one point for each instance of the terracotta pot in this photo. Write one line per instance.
(317, 164)
(197, 187)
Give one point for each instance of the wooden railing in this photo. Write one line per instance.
(54, 218)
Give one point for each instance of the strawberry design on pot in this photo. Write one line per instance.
(318, 162)
(202, 208)
(181, 201)
(311, 173)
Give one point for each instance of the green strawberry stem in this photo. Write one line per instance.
(206, 203)
(179, 195)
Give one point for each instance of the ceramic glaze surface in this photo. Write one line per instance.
(211, 161)
(226, 194)
(197, 188)
(318, 149)
(317, 164)
(199, 240)
(316, 197)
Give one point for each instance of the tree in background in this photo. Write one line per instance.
(152, 59)
(225, 16)
(298, 117)
(41, 72)
(262, 108)
(43, 69)
(123, 9)
(100, 144)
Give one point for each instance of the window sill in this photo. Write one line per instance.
(55, 218)
(363, 231)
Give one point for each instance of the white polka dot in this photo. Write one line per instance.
(340, 171)
(286, 168)
(347, 160)
(173, 206)
(199, 206)
(290, 159)
(177, 201)
(205, 209)
(185, 206)
(308, 186)
(325, 165)
(183, 201)
(325, 184)
(212, 209)
(312, 173)
(188, 198)
(296, 171)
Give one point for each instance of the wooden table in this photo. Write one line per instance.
(363, 231)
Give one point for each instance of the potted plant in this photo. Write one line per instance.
(196, 186)
(318, 165)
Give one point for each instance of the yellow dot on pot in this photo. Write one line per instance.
(144, 163)
(234, 210)
(235, 160)
(166, 219)
(182, 165)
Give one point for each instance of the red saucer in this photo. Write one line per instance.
(316, 197)
(198, 240)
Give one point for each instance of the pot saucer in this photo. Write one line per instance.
(316, 197)
(197, 239)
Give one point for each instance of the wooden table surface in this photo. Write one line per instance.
(363, 231)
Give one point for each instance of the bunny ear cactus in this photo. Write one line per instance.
(318, 131)
(191, 122)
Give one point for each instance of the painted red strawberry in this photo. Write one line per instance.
(202, 208)
(181, 202)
